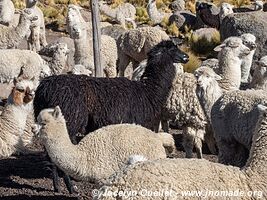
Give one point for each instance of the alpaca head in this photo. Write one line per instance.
(27, 15)
(31, 3)
(61, 50)
(50, 117)
(78, 31)
(235, 46)
(206, 76)
(258, 5)
(249, 40)
(262, 111)
(262, 67)
(167, 52)
(202, 6)
(226, 9)
(23, 91)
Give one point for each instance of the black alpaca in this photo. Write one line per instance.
(89, 103)
(204, 11)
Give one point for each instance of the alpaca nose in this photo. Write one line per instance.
(253, 46)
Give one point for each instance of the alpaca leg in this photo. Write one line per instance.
(198, 145)
(198, 138)
(43, 41)
(29, 39)
(56, 181)
(227, 151)
(36, 38)
(188, 143)
(165, 125)
(210, 141)
(122, 63)
(69, 184)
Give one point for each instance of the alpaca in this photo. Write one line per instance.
(14, 116)
(101, 153)
(122, 14)
(90, 103)
(36, 36)
(176, 176)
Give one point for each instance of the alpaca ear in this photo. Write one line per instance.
(15, 81)
(217, 77)
(261, 108)
(57, 112)
(219, 47)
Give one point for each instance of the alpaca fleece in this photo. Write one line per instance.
(101, 153)
(89, 103)
(179, 175)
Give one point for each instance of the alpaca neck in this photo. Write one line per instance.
(112, 13)
(208, 96)
(22, 28)
(12, 124)
(230, 67)
(257, 162)
(60, 149)
(158, 83)
(58, 64)
(245, 66)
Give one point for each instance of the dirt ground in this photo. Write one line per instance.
(24, 177)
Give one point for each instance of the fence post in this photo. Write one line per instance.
(96, 38)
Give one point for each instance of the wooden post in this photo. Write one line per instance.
(96, 38)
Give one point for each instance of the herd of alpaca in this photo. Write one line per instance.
(108, 130)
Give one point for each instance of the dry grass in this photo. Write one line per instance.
(204, 46)
(194, 61)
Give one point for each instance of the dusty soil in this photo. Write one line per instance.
(25, 177)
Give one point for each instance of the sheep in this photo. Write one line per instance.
(121, 14)
(11, 37)
(173, 178)
(259, 75)
(84, 53)
(101, 153)
(102, 101)
(14, 116)
(231, 53)
(7, 11)
(134, 45)
(36, 37)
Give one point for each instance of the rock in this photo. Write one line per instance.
(250, 22)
